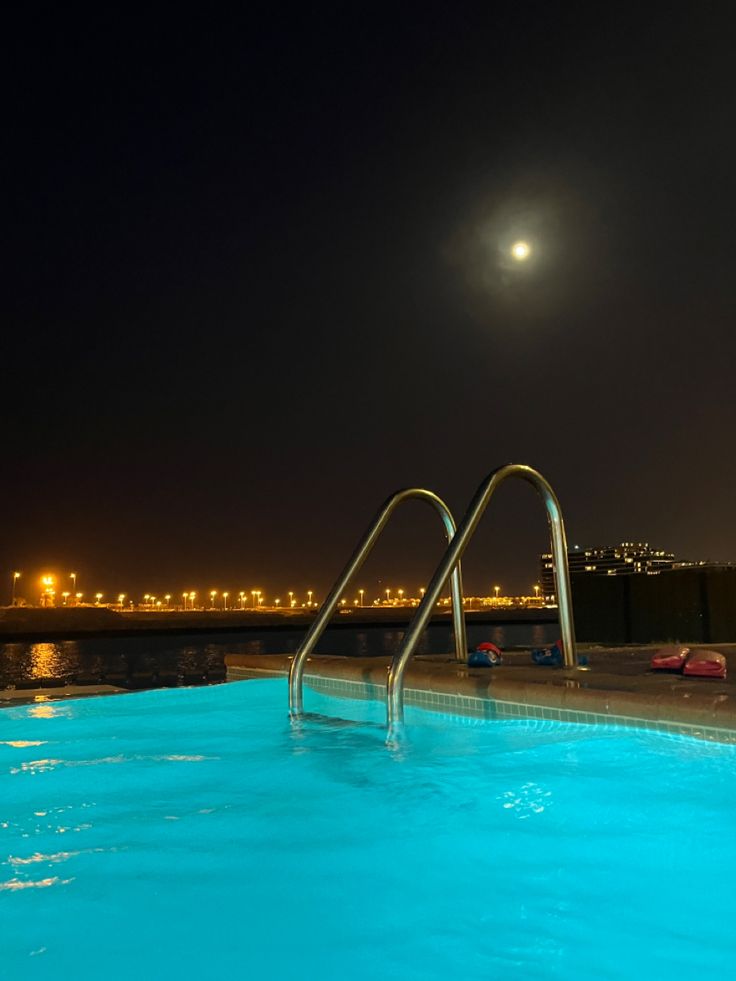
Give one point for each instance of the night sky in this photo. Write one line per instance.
(257, 278)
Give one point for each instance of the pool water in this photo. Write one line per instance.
(196, 833)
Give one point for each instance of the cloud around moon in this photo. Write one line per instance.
(558, 223)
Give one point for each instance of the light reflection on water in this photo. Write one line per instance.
(170, 661)
(46, 710)
(44, 660)
(13, 885)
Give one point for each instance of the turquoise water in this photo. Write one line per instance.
(194, 833)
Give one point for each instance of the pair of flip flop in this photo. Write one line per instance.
(693, 662)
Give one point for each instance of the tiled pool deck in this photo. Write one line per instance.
(618, 689)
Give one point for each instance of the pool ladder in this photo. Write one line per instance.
(458, 539)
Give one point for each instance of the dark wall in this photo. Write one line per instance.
(600, 608)
(688, 605)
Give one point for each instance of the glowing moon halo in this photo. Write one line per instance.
(521, 251)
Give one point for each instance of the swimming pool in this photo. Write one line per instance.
(194, 832)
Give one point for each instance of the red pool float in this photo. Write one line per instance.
(671, 658)
(485, 655)
(488, 646)
(705, 664)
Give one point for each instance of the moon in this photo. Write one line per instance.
(521, 251)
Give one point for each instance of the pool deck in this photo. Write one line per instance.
(618, 688)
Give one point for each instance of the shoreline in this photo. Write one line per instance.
(32, 624)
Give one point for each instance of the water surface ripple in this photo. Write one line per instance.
(195, 832)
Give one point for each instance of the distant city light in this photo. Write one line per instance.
(187, 599)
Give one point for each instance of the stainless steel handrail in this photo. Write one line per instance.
(451, 558)
(296, 672)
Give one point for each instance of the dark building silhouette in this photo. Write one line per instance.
(630, 593)
(626, 558)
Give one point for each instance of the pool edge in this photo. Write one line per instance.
(441, 685)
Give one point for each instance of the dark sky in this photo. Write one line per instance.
(257, 278)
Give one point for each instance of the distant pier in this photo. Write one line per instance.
(39, 624)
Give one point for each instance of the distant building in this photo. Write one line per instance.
(624, 559)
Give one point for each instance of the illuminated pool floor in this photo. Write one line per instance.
(194, 833)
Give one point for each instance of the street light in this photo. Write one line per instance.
(16, 577)
(291, 598)
(47, 597)
(224, 600)
(121, 597)
(213, 593)
(98, 597)
(309, 596)
(388, 595)
(65, 597)
(496, 590)
(73, 577)
(167, 597)
(184, 598)
(360, 593)
(401, 596)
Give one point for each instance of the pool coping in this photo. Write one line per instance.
(600, 696)
(20, 696)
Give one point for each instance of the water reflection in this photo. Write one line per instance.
(39, 857)
(165, 661)
(391, 641)
(45, 660)
(38, 662)
(527, 800)
(13, 885)
(22, 743)
(540, 634)
(43, 711)
(121, 662)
